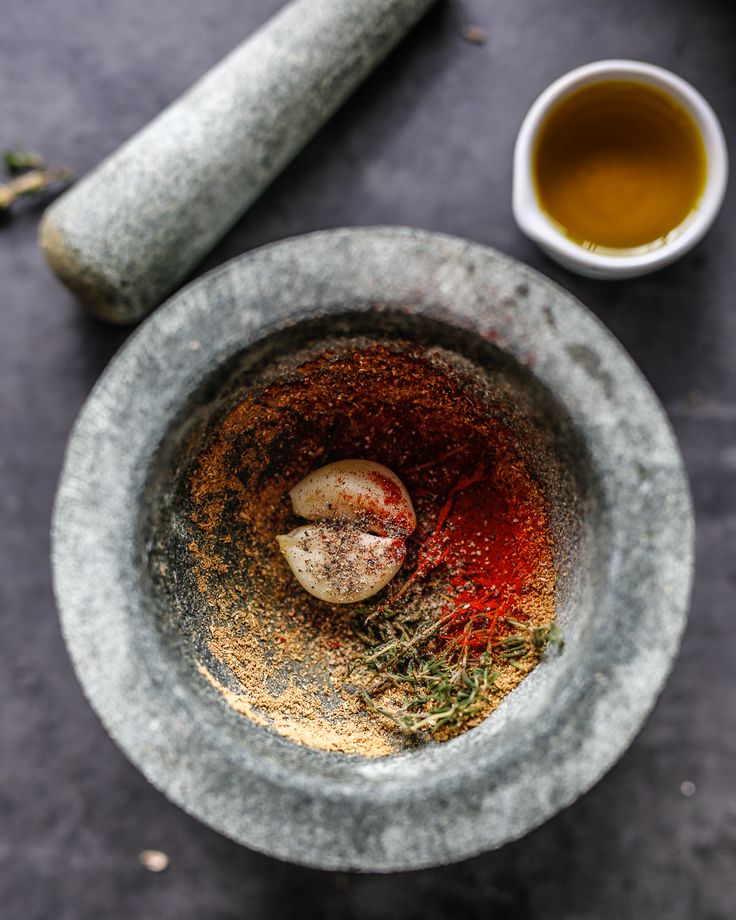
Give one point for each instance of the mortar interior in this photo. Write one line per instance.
(542, 433)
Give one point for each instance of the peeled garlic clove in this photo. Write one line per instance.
(338, 563)
(356, 490)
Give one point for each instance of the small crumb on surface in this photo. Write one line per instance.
(687, 788)
(694, 399)
(195, 345)
(475, 35)
(154, 860)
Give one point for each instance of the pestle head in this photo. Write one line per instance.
(124, 237)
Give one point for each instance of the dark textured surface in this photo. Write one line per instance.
(426, 142)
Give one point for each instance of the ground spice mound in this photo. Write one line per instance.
(480, 559)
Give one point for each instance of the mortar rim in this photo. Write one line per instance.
(382, 245)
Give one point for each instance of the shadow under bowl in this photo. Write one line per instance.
(592, 433)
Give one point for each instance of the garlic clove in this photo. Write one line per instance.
(338, 563)
(362, 491)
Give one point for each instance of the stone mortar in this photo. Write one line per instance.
(622, 606)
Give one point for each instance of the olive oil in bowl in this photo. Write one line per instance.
(619, 165)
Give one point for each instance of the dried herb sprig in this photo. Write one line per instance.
(17, 161)
(538, 637)
(29, 177)
(445, 694)
(449, 684)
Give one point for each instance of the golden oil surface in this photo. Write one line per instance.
(619, 165)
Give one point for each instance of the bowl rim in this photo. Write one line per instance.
(334, 811)
(538, 226)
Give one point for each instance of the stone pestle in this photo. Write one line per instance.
(126, 235)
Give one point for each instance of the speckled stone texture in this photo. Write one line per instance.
(552, 738)
(127, 234)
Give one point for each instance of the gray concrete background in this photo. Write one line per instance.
(426, 142)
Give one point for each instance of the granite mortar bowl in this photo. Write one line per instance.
(595, 436)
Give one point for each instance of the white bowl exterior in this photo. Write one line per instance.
(533, 221)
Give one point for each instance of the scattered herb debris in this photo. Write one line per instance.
(17, 161)
(29, 176)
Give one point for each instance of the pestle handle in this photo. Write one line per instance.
(129, 233)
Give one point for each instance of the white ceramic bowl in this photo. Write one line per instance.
(538, 226)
